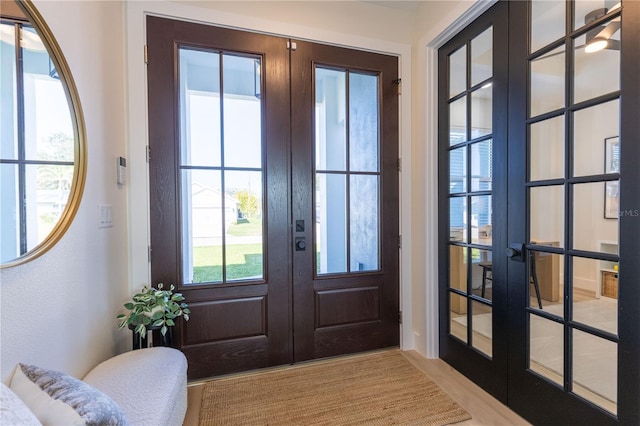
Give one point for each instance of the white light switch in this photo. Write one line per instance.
(104, 216)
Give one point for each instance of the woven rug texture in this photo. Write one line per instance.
(381, 388)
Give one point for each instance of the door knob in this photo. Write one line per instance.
(511, 252)
(301, 245)
(514, 252)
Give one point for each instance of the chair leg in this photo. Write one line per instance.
(534, 275)
(484, 280)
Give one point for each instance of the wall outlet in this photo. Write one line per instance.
(104, 216)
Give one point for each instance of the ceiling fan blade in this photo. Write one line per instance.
(610, 29)
(613, 44)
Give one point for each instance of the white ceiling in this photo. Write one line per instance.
(409, 6)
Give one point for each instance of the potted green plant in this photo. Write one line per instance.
(153, 309)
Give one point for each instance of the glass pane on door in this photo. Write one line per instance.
(546, 149)
(331, 223)
(458, 121)
(547, 82)
(547, 22)
(595, 369)
(347, 171)
(546, 279)
(458, 71)
(597, 146)
(546, 348)
(221, 177)
(546, 215)
(482, 166)
(601, 65)
(482, 327)
(481, 111)
(482, 57)
(595, 305)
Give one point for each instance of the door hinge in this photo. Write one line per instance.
(148, 153)
(399, 164)
(146, 54)
(399, 241)
(291, 45)
(149, 254)
(400, 317)
(398, 81)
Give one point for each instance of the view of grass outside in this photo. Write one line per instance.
(244, 254)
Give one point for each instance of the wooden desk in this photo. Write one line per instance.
(458, 278)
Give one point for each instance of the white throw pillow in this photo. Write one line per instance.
(13, 411)
(59, 399)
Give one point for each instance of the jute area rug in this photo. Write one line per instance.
(380, 388)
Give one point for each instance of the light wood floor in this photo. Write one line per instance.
(483, 408)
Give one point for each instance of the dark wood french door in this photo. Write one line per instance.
(274, 194)
(539, 302)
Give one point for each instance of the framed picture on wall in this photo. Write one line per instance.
(611, 165)
(611, 199)
(612, 155)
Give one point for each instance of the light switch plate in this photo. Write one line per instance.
(104, 216)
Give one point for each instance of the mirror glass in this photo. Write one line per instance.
(42, 137)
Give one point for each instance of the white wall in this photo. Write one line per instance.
(58, 311)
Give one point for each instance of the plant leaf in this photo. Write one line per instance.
(141, 330)
(163, 330)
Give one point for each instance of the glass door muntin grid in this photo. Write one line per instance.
(469, 187)
(568, 182)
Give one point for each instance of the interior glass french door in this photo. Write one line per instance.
(473, 92)
(571, 253)
(568, 197)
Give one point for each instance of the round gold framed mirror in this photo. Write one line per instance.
(42, 137)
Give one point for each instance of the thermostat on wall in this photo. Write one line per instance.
(122, 170)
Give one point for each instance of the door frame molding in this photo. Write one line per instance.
(137, 126)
